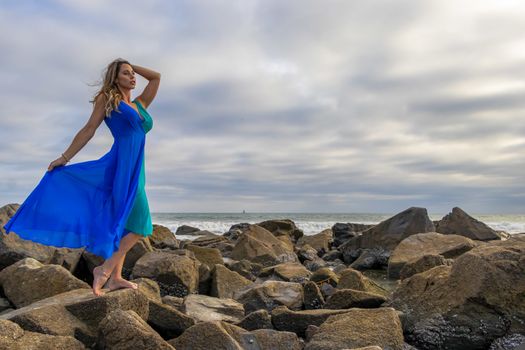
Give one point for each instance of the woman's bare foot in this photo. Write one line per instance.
(119, 283)
(99, 279)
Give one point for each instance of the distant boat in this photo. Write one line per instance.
(244, 211)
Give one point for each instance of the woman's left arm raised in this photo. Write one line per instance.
(147, 96)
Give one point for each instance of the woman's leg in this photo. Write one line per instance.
(102, 273)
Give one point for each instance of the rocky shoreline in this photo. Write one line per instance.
(455, 284)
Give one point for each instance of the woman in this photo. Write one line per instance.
(99, 204)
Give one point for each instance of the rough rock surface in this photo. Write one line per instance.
(353, 279)
(260, 246)
(358, 328)
(349, 298)
(176, 274)
(225, 282)
(270, 294)
(460, 223)
(415, 246)
(13, 337)
(386, 235)
(285, 319)
(28, 281)
(469, 304)
(204, 308)
(126, 330)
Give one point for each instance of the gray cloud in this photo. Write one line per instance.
(280, 106)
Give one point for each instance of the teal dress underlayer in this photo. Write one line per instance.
(93, 204)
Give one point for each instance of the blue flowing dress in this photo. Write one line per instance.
(93, 204)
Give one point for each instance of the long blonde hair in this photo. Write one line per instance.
(109, 87)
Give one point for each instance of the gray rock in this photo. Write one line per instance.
(460, 223)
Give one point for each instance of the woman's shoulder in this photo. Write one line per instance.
(142, 104)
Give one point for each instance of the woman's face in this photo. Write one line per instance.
(126, 77)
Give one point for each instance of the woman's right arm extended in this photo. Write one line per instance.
(84, 135)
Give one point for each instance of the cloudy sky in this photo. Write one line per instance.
(280, 106)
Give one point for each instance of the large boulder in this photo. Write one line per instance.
(353, 279)
(285, 227)
(382, 238)
(469, 304)
(206, 336)
(167, 320)
(126, 330)
(321, 242)
(271, 294)
(460, 223)
(359, 328)
(177, 274)
(426, 262)
(162, 237)
(55, 320)
(349, 298)
(203, 308)
(226, 282)
(431, 243)
(207, 256)
(28, 281)
(297, 321)
(345, 231)
(292, 272)
(13, 337)
(87, 307)
(260, 246)
(221, 335)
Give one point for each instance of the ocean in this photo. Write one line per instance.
(310, 223)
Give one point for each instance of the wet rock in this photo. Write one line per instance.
(186, 230)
